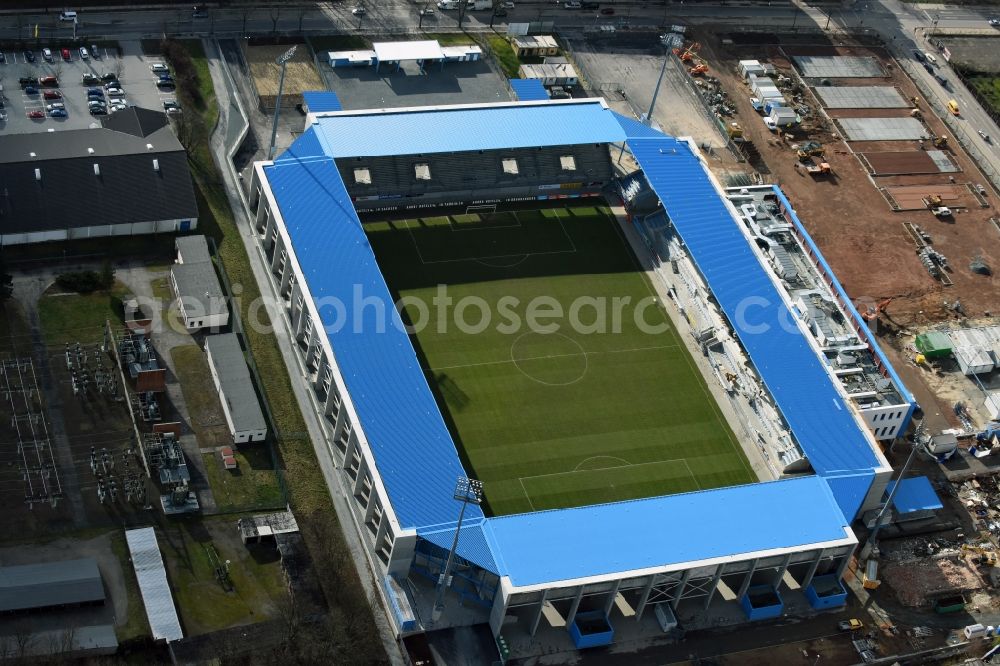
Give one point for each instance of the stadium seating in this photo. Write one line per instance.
(470, 175)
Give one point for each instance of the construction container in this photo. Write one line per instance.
(934, 344)
(973, 351)
(783, 116)
(975, 631)
(750, 67)
(992, 404)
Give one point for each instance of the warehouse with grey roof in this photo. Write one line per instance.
(50, 585)
(127, 177)
(232, 380)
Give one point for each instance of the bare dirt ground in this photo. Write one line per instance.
(300, 73)
(980, 52)
(860, 236)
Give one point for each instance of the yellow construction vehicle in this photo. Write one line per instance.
(987, 556)
(810, 149)
(734, 130)
(814, 169)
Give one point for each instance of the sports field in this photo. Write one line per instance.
(596, 403)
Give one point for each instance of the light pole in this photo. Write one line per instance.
(467, 491)
(282, 60)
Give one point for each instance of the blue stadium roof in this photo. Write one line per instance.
(914, 494)
(414, 453)
(317, 101)
(529, 90)
(534, 548)
(797, 378)
(455, 129)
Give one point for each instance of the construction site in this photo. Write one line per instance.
(906, 220)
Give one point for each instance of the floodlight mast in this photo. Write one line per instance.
(281, 60)
(467, 491)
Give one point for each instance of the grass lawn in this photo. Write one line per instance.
(203, 604)
(504, 53)
(596, 411)
(136, 625)
(254, 485)
(987, 85)
(79, 317)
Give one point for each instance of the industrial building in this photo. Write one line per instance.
(817, 393)
(200, 300)
(236, 394)
(50, 585)
(129, 176)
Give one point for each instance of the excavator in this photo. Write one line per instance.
(879, 312)
(987, 557)
(687, 54)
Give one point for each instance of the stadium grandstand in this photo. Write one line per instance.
(383, 203)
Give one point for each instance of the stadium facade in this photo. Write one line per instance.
(591, 569)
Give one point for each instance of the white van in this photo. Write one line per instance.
(67, 16)
(448, 4)
(930, 57)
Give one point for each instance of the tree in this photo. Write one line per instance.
(6, 282)
(107, 275)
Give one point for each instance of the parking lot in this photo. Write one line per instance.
(132, 68)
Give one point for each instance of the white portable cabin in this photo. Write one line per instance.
(750, 68)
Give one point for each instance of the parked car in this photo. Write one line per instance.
(66, 55)
(58, 113)
(943, 81)
(47, 55)
(67, 16)
(55, 105)
(928, 67)
(165, 84)
(608, 11)
(590, 5)
(358, 11)
(110, 77)
(986, 137)
(30, 90)
(95, 52)
(118, 106)
(84, 53)
(29, 55)
(49, 81)
(90, 79)
(919, 55)
(508, 4)
(994, 22)
(572, 4)
(114, 90)
(171, 106)
(427, 11)
(28, 81)
(199, 14)
(52, 94)
(36, 114)
(93, 103)
(159, 67)
(95, 92)
(98, 111)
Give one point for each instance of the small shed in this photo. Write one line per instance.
(535, 45)
(551, 74)
(992, 404)
(266, 526)
(934, 344)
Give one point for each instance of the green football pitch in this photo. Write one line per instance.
(557, 371)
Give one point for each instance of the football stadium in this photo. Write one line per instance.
(567, 397)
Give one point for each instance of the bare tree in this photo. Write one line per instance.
(275, 14)
(302, 15)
